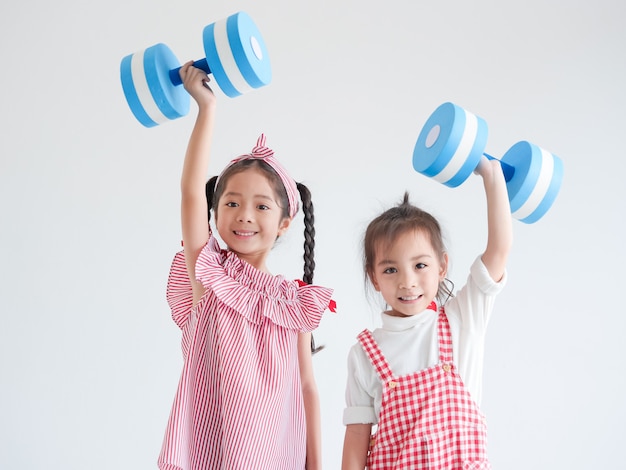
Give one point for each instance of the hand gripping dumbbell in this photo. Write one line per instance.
(451, 144)
(235, 54)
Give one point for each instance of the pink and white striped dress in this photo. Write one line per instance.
(239, 400)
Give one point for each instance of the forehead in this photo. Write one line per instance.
(250, 181)
(407, 244)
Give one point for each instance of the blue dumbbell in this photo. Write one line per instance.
(235, 54)
(452, 143)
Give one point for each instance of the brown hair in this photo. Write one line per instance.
(388, 226)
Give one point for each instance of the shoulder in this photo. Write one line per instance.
(357, 356)
(478, 284)
(472, 305)
(479, 275)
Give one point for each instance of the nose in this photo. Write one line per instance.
(245, 214)
(408, 281)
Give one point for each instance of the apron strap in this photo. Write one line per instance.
(375, 355)
(445, 337)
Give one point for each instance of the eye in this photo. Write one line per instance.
(263, 207)
(420, 266)
(390, 271)
(232, 204)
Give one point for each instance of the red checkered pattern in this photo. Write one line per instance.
(428, 419)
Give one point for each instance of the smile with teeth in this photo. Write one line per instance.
(244, 234)
(408, 298)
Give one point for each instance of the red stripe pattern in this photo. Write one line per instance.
(428, 419)
(239, 400)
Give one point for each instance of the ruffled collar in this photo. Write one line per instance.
(247, 275)
(253, 294)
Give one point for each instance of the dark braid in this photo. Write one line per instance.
(309, 233)
(309, 244)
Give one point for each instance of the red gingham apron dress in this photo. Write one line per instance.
(428, 420)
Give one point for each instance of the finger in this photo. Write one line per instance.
(184, 69)
(196, 73)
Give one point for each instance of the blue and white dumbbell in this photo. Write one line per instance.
(235, 54)
(453, 141)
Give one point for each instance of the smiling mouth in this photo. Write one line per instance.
(244, 234)
(409, 298)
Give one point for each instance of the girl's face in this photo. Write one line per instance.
(248, 217)
(407, 273)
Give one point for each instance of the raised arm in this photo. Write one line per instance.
(195, 226)
(499, 226)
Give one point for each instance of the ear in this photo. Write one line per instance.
(443, 268)
(374, 281)
(283, 226)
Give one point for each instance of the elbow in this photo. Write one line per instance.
(309, 387)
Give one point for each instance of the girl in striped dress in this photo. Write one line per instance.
(247, 398)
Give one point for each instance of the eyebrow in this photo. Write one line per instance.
(391, 261)
(261, 196)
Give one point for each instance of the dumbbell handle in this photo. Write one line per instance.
(201, 64)
(507, 169)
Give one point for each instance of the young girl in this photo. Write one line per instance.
(418, 378)
(247, 398)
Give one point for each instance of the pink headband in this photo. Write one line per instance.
(261, 152)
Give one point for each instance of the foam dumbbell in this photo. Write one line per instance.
(236, 56)
(453, 141)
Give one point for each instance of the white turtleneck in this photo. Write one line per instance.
(410, 344)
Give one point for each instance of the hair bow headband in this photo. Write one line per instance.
(261, 152)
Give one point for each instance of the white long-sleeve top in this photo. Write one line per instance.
(410, 344)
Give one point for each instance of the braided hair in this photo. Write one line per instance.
(309, 244)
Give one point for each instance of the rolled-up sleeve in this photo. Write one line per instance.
(359, 404)
(481, 276)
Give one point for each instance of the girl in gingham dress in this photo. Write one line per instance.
(418, 377)
(246, 398)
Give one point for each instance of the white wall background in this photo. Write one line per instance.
(89, 357)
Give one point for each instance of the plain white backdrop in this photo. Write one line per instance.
(89, 207)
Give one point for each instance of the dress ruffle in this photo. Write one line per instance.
(179, 291)
(253, 294)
